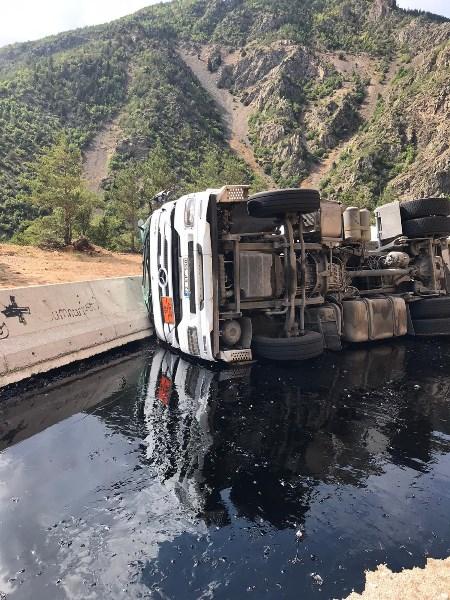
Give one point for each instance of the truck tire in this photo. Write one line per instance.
(424, 207)
(431, 327)
(431, 308)
(427, 226)
(303, 347)
(281, 202)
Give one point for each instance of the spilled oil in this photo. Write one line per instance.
(157, 477)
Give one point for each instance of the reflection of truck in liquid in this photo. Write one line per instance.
(178, 413)
(284, 276)
(207, 432)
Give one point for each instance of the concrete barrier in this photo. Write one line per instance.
(48, 326)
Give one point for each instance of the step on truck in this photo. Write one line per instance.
(282, 275)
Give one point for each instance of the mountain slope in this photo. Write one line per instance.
(404, 150)
(286, 92)
(235, 114)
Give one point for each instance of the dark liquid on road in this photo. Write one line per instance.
(158, 477)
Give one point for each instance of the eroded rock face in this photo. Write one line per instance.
(381, 8)
(428, 116)
(274, 82)
(214, 59)
(258, 66)
(420, 36)
(332, 120)
(405, 151)
(308, 106)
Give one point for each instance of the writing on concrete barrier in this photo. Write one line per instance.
(61, 314)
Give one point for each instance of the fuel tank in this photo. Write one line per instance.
(369, 319)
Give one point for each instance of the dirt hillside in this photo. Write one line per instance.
(24, 265)
(97, 157)
(235, 114)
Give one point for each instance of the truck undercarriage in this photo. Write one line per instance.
(291, 275)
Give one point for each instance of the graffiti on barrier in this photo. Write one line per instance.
(14, 310)
(62, 314)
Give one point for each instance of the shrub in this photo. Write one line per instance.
(45, 232)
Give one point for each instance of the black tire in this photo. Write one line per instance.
(431, 327)
(304, 347)
(431, 308)
(427, 226)
(281, 202)
(424, 207)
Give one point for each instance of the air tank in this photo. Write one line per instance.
(331, 220)
(352, 224)
(364, 217)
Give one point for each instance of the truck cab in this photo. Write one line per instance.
(180, 281)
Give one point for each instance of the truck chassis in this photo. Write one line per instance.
(283, 275)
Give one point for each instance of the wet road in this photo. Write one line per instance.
(155, 477)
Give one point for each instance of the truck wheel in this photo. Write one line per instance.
(307, 346)
(280, 202)
(431, 327)
(424, 207)
(427, 226)
(431, 308)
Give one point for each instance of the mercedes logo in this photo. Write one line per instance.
(162, 276)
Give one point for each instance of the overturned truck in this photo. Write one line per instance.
(283, 275)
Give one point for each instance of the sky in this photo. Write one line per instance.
(22, 20)
(440, 7)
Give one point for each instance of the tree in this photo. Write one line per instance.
(58, 184)
(208, 174)
(89, 201)
(127, 200)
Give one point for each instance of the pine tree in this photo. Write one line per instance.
(58, 184)
(127, 201)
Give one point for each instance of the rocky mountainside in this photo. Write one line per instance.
(351, 95)
(404, 149)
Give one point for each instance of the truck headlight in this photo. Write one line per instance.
(189, 212)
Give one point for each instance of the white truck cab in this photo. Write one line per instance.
(181, 278)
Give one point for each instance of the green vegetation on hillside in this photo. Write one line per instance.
(172, 135)
(77, 91)
(74, 92)
(406, 143)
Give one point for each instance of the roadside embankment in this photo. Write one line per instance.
(27, 265)
(430, 583)
(49, 326)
